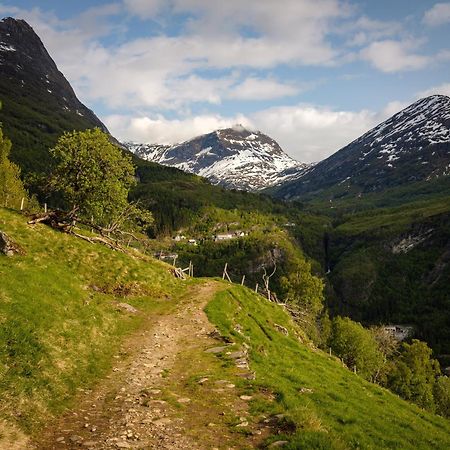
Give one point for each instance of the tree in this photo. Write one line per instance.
(414, 374)
(388, 347)
(94, 177)
(356, 346)
(11, 186)
(442, 396)
(303, 292)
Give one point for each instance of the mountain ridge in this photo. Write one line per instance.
(412, 145)
(234, 157)
(39, 104)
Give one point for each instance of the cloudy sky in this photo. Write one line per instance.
(313, 74)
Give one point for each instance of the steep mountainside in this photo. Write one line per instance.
(393, 265)
(38, 102)
(413, 145)
(234, 157)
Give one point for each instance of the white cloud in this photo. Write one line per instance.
(261, 89)
(145, 9)
(310, 133)
(307, 133)
(166, 131)
(442, 89)
(365, 30)
(393, 108)
(395, 56)
(438, 15)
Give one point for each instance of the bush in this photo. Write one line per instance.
(356, 346)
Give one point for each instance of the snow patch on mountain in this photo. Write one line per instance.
(425, 121)
(235, 157)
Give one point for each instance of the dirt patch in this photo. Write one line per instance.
(150, 401)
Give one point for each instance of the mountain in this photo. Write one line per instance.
(38, 103)
(413, 145)
(235, 158)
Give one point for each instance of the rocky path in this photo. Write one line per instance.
(142, 404)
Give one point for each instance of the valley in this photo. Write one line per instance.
(282, 334)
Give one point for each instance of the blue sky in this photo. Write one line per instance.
(313, 74)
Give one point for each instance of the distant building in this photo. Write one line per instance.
(290, 224)
(192, 241)
(179, 238)
(240, 233)
(399, 332)
(166, 256)
(223, 237)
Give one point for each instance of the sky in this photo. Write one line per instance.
(312, 74)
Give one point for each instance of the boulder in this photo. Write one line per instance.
(8, 247)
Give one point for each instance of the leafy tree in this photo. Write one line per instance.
(94, 177)
(388, 347)
(303, 292)
(413, 375)
(11, 186)
(442, 396)
(356, 346)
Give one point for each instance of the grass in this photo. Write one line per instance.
(60, 324)
(60, 328)
(325, 406)
(393, 219)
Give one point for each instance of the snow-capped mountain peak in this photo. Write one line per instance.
(413, 145)
(234, 157)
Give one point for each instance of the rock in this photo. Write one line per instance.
(8, 247)
(237, 355)
(246, 397)
(242, 424)
(202, 380)
(184, 400)
(216, 349)
(122, 445)
(60, 439)
(75, 438)
(282, 329)
(304, 390)
(278, 444)
(128, 308)
(247, 376)
(161, 422)
(89, 444)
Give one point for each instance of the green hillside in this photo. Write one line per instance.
(60, 319)
(323, 405)
(61, 327)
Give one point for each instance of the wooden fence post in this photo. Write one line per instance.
(224, 271)
(45, 208)
(22, 203)
(243, 279)
(256, 288)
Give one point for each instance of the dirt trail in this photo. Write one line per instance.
(131, 407)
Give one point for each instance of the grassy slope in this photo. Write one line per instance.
(59, 333)
(341, 411)
(60, 325)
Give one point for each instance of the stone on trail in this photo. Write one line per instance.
(128, 308)
(216, 349)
